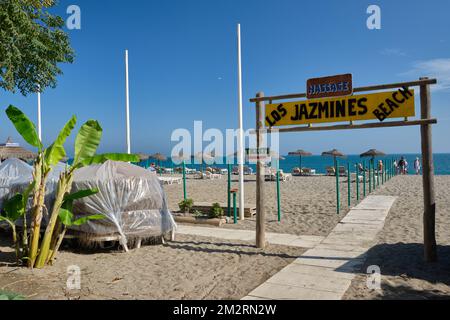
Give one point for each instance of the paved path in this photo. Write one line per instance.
(325, 272)
(249, 235)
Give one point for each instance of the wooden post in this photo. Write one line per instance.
(429, 216)
(260, 214)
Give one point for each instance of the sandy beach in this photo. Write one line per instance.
(399, 250)
(308, 204)
(206, 268)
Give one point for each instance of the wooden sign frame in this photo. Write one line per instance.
(425, 122)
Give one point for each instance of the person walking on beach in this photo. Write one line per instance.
(417, 166)
(401, 165)
(396, 166)
(380, 167)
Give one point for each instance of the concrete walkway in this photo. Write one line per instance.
(326, 271)
(249, 235)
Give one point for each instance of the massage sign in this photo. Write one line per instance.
(339, 106)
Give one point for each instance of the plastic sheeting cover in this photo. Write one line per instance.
(12, 170)
(131, 198)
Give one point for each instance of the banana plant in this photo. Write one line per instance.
(13, 209)
(66, 219)
(86, 144)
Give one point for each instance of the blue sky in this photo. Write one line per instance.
(183, 66)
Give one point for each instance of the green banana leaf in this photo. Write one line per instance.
(13, 208)
(66, 212)
(87, 141)
(24, 126)
(56, 151)
(101, 158)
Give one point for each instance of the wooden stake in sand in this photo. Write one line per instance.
(260, 214)
(429, 216)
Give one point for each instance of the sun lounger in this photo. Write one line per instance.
(308, 172)
(330, 171)
(208, 175)
(167, 170)
(170, 181)
(342, 171)
(272, 176)
(297, 172)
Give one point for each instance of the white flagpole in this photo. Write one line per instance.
(127, 88)
(241, 131)
(39, 114)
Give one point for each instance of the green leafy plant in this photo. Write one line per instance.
(32, 45)
(197, 213)
(186, 205)
(10, 296)
(42, 251)
(216, 211)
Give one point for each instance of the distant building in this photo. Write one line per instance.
(11, 149)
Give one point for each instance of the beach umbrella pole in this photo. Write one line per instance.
(278, 196)
(229, 190)
(235, 220)
(357, 183)
(337, 186)
(364, 179)
(184, 180)
(349, 184)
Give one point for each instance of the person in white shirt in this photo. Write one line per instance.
(417, 166)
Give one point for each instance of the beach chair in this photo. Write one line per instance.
(330, 171)
(297, 172)
(285, 176)
(248, 171)
(170, 180)
(168, 170)
(342, 171)
(308, 172)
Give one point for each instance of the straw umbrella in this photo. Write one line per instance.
(158, 157)
(204, 157)
(335, 154)
(13, 150)
(300, 153)
(372, 153)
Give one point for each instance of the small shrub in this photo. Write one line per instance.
(216, 211)
(197, 213)
(186, 205)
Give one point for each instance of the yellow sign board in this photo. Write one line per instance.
(381, 106)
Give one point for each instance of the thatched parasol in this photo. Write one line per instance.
(143, 156)
(301, 153)
(372, 153)
(333, 153)
(158, 156)
(14, 150)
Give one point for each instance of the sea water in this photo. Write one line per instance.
(320, 163)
